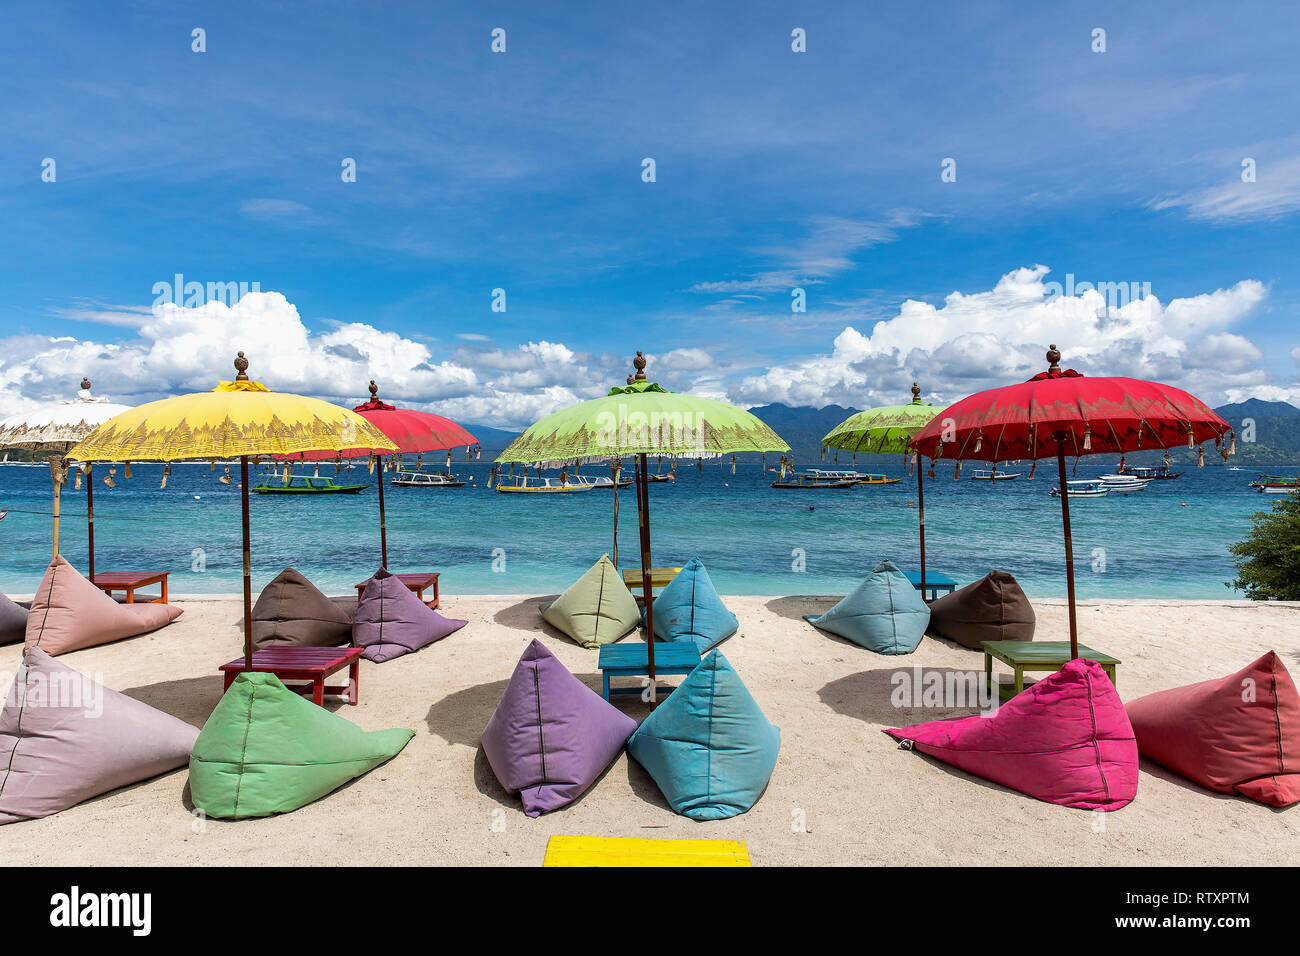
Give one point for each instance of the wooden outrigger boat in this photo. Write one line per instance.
(1089, 488)
(1277, 484)
(856, 477)
(306, 485)
(992, 474)
(544, 486)
(810, 482)
(426, 479)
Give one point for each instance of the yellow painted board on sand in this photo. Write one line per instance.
(634, 851)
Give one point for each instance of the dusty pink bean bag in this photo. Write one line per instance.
(1239, 734)
(69, 613)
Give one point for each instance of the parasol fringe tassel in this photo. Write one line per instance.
(956, 473)
(1232, 443)
(1200, 456)
(126, 469)
(225, 479)
(109, 480)
(1032, 468)
(212, 465)
(77, 484)
(1087, 438)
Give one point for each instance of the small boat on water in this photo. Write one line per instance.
(544, 486)
(1124, 484)
(857, 477)
(1277, 484)
(1150, 473)
(426, 479)
(813, 482)
(1089, 488)
(600, 481)
(304, 485)
(992, 474)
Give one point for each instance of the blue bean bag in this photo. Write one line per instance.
(689, 609)
(884, 613)
(708, 746)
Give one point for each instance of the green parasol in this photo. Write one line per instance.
(640, 419)
(888, 430)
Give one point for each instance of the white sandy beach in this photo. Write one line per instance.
(864, 800)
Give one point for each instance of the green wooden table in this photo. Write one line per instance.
(1037, 656)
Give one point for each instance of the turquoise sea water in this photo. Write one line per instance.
(1167, 542)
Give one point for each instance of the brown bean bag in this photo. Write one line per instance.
(292, 612)
(65, 738)
(13, 621)
(992, 609)
(69, 613)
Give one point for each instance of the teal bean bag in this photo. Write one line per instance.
(884, 613)
(708, 746)
(689, 609)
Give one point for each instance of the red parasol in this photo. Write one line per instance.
(1057, 413)
(412, 431)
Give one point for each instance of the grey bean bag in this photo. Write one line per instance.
(13, 621)
(291, 611)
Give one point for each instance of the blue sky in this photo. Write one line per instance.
(522, 170)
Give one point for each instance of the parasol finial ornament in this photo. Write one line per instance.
(241, 367)
(916, 392)
(374, 391)
(85, 384)
(639, 364)
(1054, 359)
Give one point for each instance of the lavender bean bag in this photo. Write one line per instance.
(391, 621)
(65, 738)
(551, 735)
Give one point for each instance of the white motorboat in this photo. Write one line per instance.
(1124, 484)
(426, 479)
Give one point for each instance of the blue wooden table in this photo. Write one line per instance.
(633, 660)
(934, 583)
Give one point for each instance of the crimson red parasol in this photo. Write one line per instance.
(1057, 413)
(411, 430)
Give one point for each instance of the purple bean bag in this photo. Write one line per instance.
(551, 735)
(391, 621)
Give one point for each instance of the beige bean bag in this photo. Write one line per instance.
(69, 613)
(292, 612)
(65, 738)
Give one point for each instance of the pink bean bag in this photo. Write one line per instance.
(69, 613)
(1065, 740)
(1239, 734)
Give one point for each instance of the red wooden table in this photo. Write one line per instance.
(130, 582)
(312, 664)
(417, 581)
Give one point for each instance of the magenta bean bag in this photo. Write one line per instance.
(391, 621)
(1066, 740)
(551, 735)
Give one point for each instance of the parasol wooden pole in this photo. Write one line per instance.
(1069, 545)
(920, 511)
(248, 567)
(56, 466)
(643, 518)
(383, 520)
(617, 469)
(90, 517)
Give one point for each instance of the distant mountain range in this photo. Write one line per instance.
(1276, 438)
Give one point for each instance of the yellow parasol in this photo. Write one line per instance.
(234, 420)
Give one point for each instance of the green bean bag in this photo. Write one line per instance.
(597, 608)
(268, 750)
(884, 613)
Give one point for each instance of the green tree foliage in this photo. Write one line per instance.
(1268, 559)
